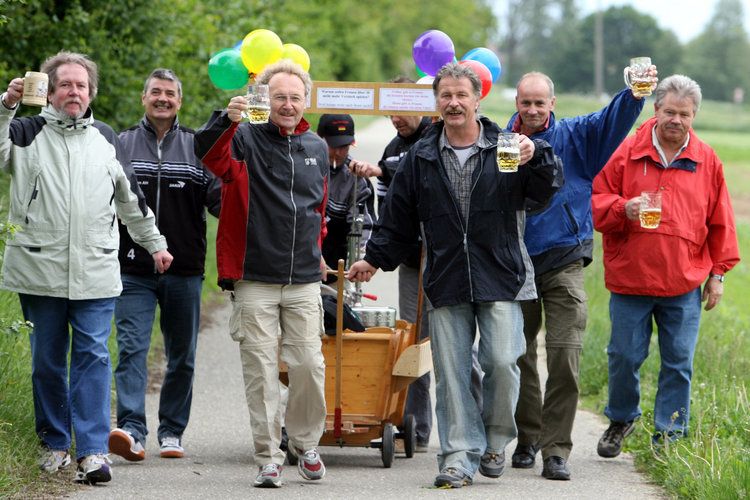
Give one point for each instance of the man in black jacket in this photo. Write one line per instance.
(268, 251)
(477, 267)
(178, 188)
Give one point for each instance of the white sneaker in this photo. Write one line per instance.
(54, 460)
(310, 465)
(269, 476)
(94, 469)
(170, 448)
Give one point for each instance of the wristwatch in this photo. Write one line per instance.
(719, 277)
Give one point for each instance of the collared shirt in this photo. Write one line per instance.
(659, 149)
(460, 176)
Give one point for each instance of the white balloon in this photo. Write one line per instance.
(427, 79)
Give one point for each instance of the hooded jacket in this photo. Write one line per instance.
(273, 199)
(563, 232)
(696, 235)
(177, 187)
(481, 260)
(69, 185)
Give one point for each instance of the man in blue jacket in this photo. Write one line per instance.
(560, 242)
(477, 268)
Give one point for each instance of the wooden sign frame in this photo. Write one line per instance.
(372, 98)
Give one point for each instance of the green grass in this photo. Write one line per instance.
(711, 463)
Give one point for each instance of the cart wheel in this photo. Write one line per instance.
(291, 458)
(388, 449)
(409, 435)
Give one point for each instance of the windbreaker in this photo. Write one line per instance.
(273, 199)
(177, 188)
(696, 236)
(563, 232)
(70, 182)
(481, 260)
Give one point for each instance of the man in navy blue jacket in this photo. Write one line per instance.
(560, 242)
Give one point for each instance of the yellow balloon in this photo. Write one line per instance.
(297, 54)
(260, 48)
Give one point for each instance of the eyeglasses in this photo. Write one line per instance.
(282, 99)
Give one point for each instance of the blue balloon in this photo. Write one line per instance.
(238, 45)
(486, 57)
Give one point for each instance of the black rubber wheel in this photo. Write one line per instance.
(388, 449)
(409, 435)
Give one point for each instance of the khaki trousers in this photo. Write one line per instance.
(268, 319)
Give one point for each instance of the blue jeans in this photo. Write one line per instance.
(179, 299)
(677, 321)
(465, 431)
(79, 399)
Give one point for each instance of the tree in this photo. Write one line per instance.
(627, 33)
(719, 58)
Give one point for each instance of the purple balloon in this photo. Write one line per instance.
(432, 50)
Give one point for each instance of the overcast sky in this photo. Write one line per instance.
(686, 18)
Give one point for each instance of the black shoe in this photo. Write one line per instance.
(524, 456)
(284, 440)
(556, 468)
(610, 444)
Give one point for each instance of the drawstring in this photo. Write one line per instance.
(644, 168)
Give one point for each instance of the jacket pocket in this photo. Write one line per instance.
(106, 241)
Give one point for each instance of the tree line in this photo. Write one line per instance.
(351, 40)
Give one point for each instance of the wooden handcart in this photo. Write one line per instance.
(367, 377)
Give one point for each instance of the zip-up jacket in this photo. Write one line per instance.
(177, 188)
(483, 259)
(273, 199)
(563, 232)
(70, 182)
(392, 154)
(696, 235)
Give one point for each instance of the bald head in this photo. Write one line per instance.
(535, 100)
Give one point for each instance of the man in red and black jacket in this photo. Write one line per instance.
(271, 228)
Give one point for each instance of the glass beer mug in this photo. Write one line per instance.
(258, 103)
(508, 152)
(637, 78)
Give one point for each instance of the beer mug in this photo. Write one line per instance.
(508, 152)
(35, 88)
(637, 78)
(258, 103)
(650, 210)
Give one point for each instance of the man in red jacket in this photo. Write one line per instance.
(656, 274)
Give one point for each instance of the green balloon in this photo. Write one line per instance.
(226, 71)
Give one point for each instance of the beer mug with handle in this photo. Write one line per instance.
(258, 103)
(637, 78)
(650, 209)
(508, 152)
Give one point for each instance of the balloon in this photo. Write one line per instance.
(426, 79)
(297, 54)
(226, 71)
(259, 49)
(432, 50)
(486, 57)
(237, 46)
(483, 73)
(420, 73)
